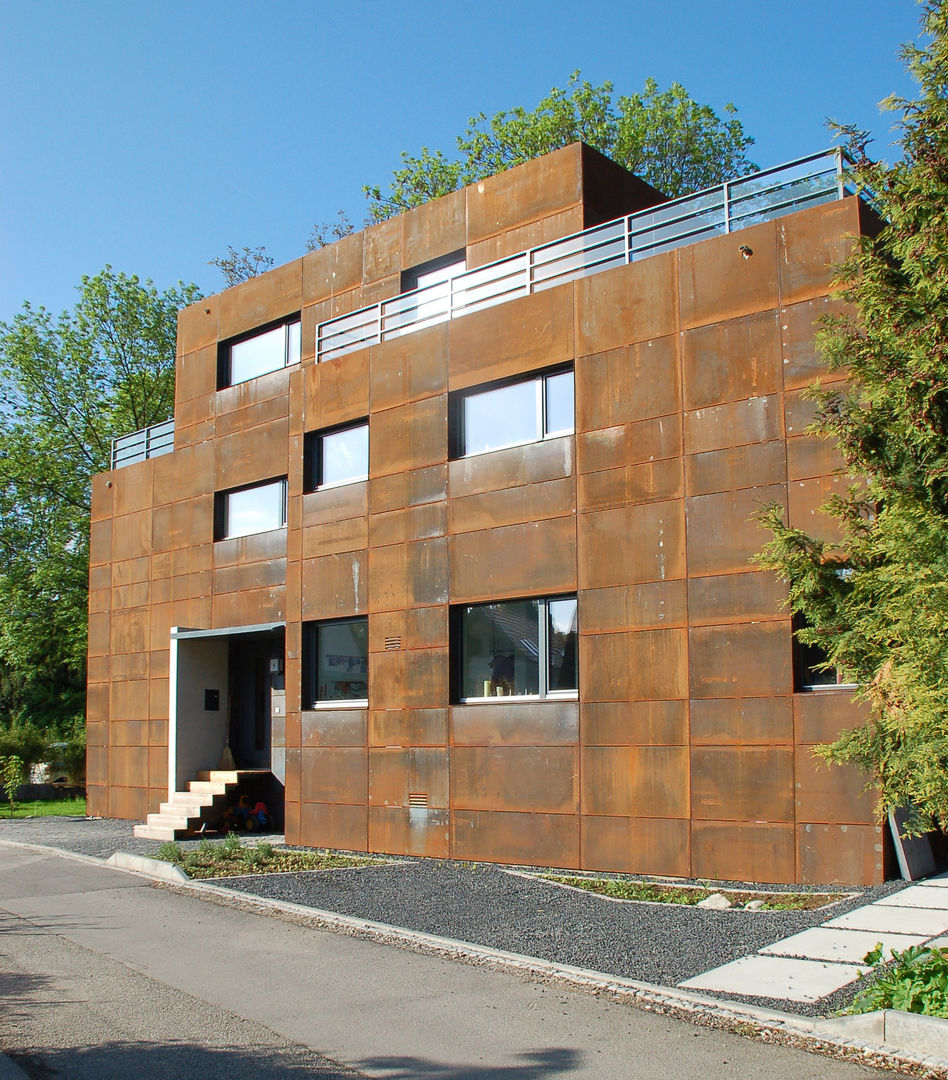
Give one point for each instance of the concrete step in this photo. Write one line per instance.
(207, 787)
(174, 821)
(190, 800)
(181, 809)
(154, 832)
(219, 776)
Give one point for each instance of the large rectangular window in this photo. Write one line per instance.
(252, 509)
(337, 456)
(513, 413)
(267, 349)
(516, 648)
(336, 662)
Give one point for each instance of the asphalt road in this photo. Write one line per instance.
(104, 975)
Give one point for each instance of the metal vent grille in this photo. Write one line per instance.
(392, 643)
(417, 798)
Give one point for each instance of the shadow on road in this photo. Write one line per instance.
(530, 1066)
(185, 1061)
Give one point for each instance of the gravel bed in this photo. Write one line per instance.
(486, 905)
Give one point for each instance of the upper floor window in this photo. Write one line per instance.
(338, 456)
(251, 509)
(432, 302)
(336, 662)
(513, 413)
(264, 349)
(517, 648)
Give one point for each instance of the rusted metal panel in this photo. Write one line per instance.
(742, 721)
(741, 658)
(646, 606)
(635, 723)
(642, 666)
(524, 335)
(405, 575)
(406, 776)
(754, 368)
(723, 535)
(519, 778)
(742, 783)
(411, 678)
(629, 444)
(529, 839)
(629, 304)
(423, 831)
(408, 727)
(627, 384)
(821, 717)
(652, 481)
(340, 826)
(333, 727)
(831, 794)
(409, 368)
(717, 282)
(513, 467)
(539, 723)
(337, 774)
(628, 845)
(409, 436)
(632, 544)
(843, 854)
(810, 244)
(635, 781)
(736, 597)
(742, 851)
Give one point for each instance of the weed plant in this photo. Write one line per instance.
(231, 858)
(914, 980)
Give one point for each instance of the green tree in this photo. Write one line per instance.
(67, 386)
(877, 601)
(238, 266)
(12, 775)
(663, 136)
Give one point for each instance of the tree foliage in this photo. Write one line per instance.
(663, 136)
(877, 602)
(67, 386)
(238, 266)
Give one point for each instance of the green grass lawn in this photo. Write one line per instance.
(46, 808)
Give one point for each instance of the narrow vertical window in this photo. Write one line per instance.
(336, 662)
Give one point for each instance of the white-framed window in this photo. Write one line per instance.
(516, 649)
(336, 456)
(512, 413)
(336, 662)
(258, 352)
(254, 508)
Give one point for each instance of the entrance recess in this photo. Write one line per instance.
(227, 701)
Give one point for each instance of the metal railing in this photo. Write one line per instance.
(140, 445)
(727, 208)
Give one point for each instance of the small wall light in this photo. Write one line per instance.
(745, 251)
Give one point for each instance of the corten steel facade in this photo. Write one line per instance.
(687, 750)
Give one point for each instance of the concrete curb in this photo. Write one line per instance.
(142, 864)
(889, 1037)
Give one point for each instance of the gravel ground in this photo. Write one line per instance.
(486, 905)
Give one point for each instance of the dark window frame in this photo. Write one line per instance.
(224, 377)
(458, 398)
(457, 652)
(221, 508)
(310, 665)
(313, 456)
(410, 277)
(806, 660)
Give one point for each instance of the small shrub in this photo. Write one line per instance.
(12, 774)
(169, 852)
(914, 980)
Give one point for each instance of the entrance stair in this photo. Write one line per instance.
(188, 813)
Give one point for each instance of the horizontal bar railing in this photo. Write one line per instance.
(748, 200)
(140, 445)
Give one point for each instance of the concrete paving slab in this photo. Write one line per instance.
(894, 920)
(918, 896)
(940, 881)
(776, 977)
(827, 943)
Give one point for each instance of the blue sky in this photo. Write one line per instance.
(151, 135)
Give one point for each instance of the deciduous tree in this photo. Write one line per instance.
(664, 136)
(67, 386)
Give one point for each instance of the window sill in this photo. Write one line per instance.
(514, 445)
(243, 536)
(828, 688)
(338, 484)
(563, 695)
(332, 706)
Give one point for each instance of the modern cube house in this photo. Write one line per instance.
(452, 539)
